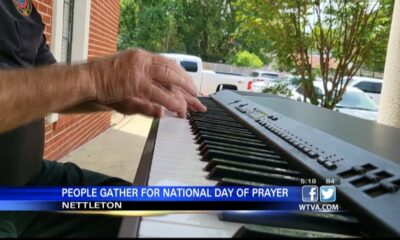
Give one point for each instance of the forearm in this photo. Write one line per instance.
(27, 95)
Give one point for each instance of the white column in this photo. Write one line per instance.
(80, 37)
(389, 107)
(57, 28)
(56, 41)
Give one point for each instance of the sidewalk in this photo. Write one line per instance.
(117, 151)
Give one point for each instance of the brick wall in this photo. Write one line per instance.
(72, 131)
(45, 9)
(103, 32)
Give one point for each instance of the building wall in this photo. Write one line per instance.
(103, 32)
(45, 9)
(71, 131)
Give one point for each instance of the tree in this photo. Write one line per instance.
(343, 31)
(246, 59)
(199, 27)
(281, 89)
(149, 24)
(376, 61)
(206, 26)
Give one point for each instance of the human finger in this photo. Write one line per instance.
(137, 105)
(169, 74)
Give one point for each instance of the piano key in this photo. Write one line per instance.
(262, 168)
(224, 132)
(206, 143)
(176, 181)
(312, 221)
(221, 128)
(225, 181)
(219, 172)
(216, 122)
(156, 229)
(212, 118)
(203, 219)
(240, 151)
(208, 124)
(257, 231)
(211, 114)
(227, 138)
(210, 154)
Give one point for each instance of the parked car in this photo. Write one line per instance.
(371, 86)
(207, 81)
(354, 101)
(262, 76)
(291, 81)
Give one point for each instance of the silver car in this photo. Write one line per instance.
(354, 101)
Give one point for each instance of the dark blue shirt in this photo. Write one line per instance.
(22, 44)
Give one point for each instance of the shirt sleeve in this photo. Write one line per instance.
(44, 56)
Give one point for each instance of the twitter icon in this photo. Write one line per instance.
(327, 194)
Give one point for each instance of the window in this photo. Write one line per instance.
(189, 66)
(270, 75)
(365, 87)
(66, 46)
(377, 87)
(254, 74)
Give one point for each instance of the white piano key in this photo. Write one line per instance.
(155, 181)
(176, 162)
(150, 228)
(207, 220)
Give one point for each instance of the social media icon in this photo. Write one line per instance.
(327, 193)
(309, 193)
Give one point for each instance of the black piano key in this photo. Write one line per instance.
(211, 114)
(239, 151)
(225, 138)
(219, 172)
(213, 117)
(224, 132)
(226, 126)
(265, 150)
(211, 154)
(217, 161)
(216, 122)
(257, 231)
(230, 140)
(237, 182)
(202, 126)
(309, 221)
(195, 128)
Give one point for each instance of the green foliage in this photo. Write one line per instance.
(340, 31)
(206, 28)
(280, 88)
(148, 24)
(376, 61)
(196, 27)
(354, 34)
(246, 59)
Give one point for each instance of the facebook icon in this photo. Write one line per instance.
(309, 194)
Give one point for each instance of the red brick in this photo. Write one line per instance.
(71, 131)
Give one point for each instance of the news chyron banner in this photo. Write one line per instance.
(171, 198)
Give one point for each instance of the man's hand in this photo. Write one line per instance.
(136, 81)
(133, 81)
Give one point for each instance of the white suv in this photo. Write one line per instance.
(371, 86)
(262, 80)
(260, 76)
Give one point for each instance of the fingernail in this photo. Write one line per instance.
(162, 113)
